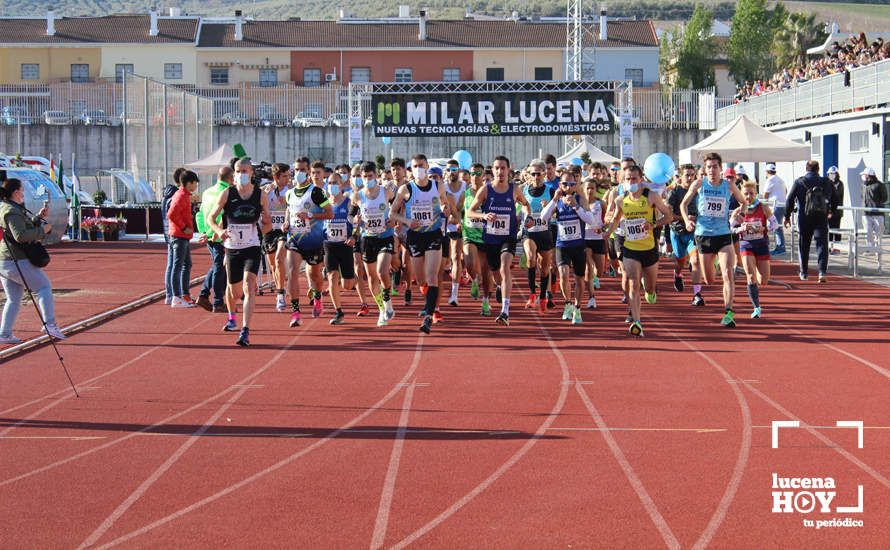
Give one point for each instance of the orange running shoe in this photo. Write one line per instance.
(530, 304)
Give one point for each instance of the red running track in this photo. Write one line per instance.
(540, 435)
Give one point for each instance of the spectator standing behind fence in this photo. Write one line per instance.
(874, 196)
(814, 199)
(835, 221)
(182, 228)
(167, 195)
(774, 191)
(216, 275)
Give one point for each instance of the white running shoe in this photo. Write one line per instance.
(54, 331)
(591, 303)
(381, 319)
(388, 310)
(167, 300)
(179, 303)
(280, 303)
(10, 339)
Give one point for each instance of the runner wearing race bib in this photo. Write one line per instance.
(594, 243)
(683, 241)
(538, 241)
(752, 224)
(274, 240)
(495, 203)
(639, 253)
(420, 205)
(307, 208)
(338, 245)
(711, 226)
(455, 189)
(377, 240)
(571, 216)
(472, 235)
(242, 206)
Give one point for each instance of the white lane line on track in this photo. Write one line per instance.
(878, 369)
(68, 394)
(142, 431)
(281, 463)
(824, 439)
(741, 463)
(661, 524)
(516, 457)
(392, 472)
(134, 497)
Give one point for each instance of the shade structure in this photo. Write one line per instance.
(214, 160)
(586, 146)
(744, 141)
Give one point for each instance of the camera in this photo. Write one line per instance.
(262, 173)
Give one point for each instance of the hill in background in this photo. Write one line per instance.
(873, 16)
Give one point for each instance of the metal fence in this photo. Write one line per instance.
(66, 102)
(164, 127)
(865, 88)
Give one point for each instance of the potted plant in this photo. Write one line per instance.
(88, 228)
(99, 197)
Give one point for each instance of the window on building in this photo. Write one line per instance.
(494, 74)
(30, 71)
(404, 75)
(312, 77)
(219, 75)
(816, 146)
(268, 77)
(634, 75)
(173, 71)
(80, 72)
(543, 73)
(451, 75)
(360, 74)
(120, 70)
(859, 141)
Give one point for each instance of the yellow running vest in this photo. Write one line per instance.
(636, 214)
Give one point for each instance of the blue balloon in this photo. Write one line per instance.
(577, 161)
(464, 159)
(386, 140)
(659, 168)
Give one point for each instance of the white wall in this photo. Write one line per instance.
(609, 63)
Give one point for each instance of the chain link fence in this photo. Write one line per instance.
(164, 128)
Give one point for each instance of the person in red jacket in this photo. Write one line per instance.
(181, 229)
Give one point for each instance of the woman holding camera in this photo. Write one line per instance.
(16, 270)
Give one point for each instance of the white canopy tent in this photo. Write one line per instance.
(744, 141)
(586, 146)
(212, 161)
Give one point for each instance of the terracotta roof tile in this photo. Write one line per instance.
(127, 29)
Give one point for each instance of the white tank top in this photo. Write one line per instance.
(458, 198)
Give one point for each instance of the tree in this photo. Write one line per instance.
(697, 51)
(798, 33)
(750, 41)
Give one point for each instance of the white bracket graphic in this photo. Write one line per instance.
(852, 424)
(782, 424)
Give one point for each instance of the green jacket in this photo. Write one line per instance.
(18, 225)
(209, 198)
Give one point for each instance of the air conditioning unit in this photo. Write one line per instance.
(330, 77)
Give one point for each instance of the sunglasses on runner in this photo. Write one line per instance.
(475, 173)
(536, 174)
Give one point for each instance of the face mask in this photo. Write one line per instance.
(344, 175)
(371, 184)
(334, 189)
(300, 177)
(633, 187)
(754, 204)
(243, 178)
(325, 181)
(357, 181)
(419, 173)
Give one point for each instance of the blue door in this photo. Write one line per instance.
(829, 152)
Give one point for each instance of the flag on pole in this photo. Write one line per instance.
(60, 179)
(52, 168)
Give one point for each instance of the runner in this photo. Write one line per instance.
(683, 241)
(338, 246)
(712, 232)
(753, 223)
(594, 243)
(400, 237)
(639, 251)
(377, 239)
(495, 203)
(571, 209)
(274, 240)
(243, 206)
(420, 205)
(307, 208)
(538, 242)
(455, 189)
(472, 236)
